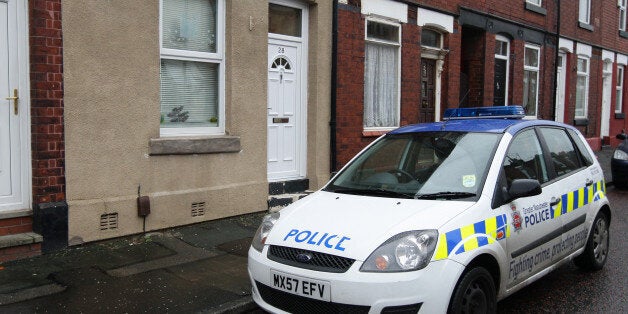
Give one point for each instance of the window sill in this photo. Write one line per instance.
(581, 121)
(586, 26)
(194, 145)
(623, 34)
(374, 133)
(620, 115)
(535, 8)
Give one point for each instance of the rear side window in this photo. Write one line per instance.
(562, 152)
(582, 147)
(524, 159)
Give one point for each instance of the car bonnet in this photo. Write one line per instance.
(354, 226)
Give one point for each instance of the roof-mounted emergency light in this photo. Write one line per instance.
(503, 112)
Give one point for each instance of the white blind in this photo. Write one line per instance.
(381, 107)
(189, 93)
(189, 25)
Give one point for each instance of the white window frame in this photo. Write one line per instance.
(505, 39)
(584, 17)
(619, 88)
(537, 70)
(622, 5)
(584, 74)
(538, 3)
(368, 40)
(217, 57)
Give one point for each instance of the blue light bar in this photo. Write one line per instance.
(504, 112)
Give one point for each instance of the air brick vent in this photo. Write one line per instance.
(109, 221)
(198, 209)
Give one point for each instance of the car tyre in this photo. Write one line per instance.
(596, 250)
(474, 293)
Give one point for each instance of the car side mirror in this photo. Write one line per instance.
(522, 188)
(621, 136)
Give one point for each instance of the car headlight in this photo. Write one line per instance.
(264, 229)
(406, 251)
(620, 154)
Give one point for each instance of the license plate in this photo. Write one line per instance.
(306, 287)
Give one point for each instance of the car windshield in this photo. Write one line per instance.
(425, 165)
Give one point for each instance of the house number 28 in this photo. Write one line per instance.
(281, 50)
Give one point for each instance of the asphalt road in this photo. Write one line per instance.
(571, 290)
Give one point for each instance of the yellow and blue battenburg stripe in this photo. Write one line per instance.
(579, 198)
(487, 231)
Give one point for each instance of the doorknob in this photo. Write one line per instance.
(14, 98)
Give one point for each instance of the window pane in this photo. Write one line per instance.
(284, 20)
(583, 12)
(430, 38)
(531, 57)
(381, 106)
(530, 85)
(380, 31)
(189, 25)
(582, 147)
(524, 159)
(561, 149)
(619, 89)
(501, 48)
(189, 94)
(581, 88)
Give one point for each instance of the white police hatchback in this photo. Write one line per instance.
(447, 216)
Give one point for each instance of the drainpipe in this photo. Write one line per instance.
(334, 83)
(556, 59)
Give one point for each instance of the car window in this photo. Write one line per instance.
(524, 159)
(563, 154)
(582, 147)
(424, 164)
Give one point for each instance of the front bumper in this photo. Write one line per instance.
(355, 291)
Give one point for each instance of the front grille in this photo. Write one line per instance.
(318, 261)
(297, 304)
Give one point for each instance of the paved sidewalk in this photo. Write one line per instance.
(190, 269)
(604, 157)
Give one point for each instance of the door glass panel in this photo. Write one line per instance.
(564, 156)
(284, 20)
(524, 159)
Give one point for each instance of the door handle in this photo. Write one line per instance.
(589, 182)
(15, 99)
(554, 201)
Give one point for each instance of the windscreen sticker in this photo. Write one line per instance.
(315, 238)
(468, 181)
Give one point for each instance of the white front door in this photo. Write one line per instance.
(14, 142)
(285, 125)
(606, 104)
(560, 88)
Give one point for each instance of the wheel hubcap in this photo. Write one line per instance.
(475, 300)
(600, 241)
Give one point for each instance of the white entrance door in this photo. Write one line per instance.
(285, 125)
(14, 145)
(606, 103)
(560, 87)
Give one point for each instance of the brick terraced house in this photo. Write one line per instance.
(405, 61)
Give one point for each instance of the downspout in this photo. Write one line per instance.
(334, 83)
(557, 50)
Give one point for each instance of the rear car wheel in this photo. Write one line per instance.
(474, 293)
(596, 250)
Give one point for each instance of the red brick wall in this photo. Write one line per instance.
(46, 66)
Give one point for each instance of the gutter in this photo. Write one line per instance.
(557, 34)
(334, 89)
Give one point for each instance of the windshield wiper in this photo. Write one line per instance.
(373, 192)
(445, 195)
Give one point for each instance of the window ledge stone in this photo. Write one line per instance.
(194, 145)
(623, 34)
(536, 9)
(620, 115)
(581, 121)
(586, 26)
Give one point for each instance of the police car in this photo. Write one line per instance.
(446, 216)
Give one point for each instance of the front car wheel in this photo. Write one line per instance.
(474, 293)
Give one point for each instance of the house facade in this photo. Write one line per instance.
(143, 115)
(403, 62)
